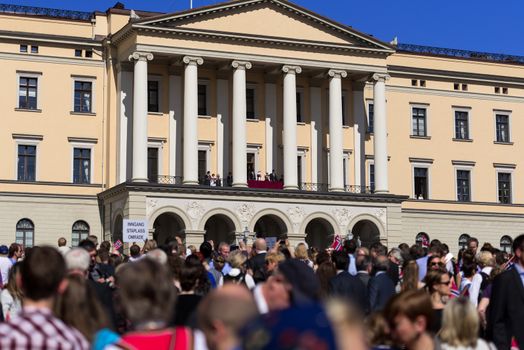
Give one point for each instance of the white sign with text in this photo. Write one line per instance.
(135, 231)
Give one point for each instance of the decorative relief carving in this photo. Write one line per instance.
(195, 210)
(151, 204)
(246, 212)
(296, 214)
(342, 215)
(381, 215)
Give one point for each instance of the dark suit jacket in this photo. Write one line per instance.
(506, 310)
(258, 265)
(350, 288)
(364, 277)
(380, 289)
(393, 272)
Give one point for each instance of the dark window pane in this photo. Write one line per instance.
(461, 125)
(502, 125)
(26, 163)
(82, 165)
(250, 103)
(83, 93)
(152, 96)
(504, 187)
(421, 183)
(370, 118)
(202, 99)
(152, 164)
(299, 109)
(463, 186)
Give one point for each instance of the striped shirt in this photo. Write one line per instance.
(39, 329)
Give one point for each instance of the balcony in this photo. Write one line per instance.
(272, 185)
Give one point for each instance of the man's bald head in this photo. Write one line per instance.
(260, 244)
(223, 313)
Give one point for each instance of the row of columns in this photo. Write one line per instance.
(239, 145)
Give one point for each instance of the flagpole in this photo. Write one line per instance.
(190, 4)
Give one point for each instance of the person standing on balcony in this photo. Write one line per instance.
(213, 181)
(229, 180)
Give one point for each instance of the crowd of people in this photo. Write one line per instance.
(214, 180)
(253, 297)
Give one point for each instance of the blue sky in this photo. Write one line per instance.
(479, 25)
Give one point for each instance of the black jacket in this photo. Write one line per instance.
(506, 310)
(350, 288)
(380, 289)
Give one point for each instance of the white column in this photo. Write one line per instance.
(175, 125)
(125, 113)
(271, 126)
(140, 115)
(359, 132)
(191, 119)
(223, 140)
(239, 123)
(380, 133)
(316, 133)
(336, 149)
(290, 127)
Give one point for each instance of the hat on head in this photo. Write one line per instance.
(4, 250)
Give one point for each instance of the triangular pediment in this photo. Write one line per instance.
(270, 20)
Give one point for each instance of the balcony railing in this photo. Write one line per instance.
(47, 12)
(304, 186)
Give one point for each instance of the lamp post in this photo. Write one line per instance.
(245, 235)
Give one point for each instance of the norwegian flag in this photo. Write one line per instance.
(337, 243)
(509, 264)
(118, 244)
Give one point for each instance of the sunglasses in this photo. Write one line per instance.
(446, 282)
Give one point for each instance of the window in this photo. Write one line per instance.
(83, 94)
(497, 90)
(89, 53)
(456, 86)
(34, 49)
(502, 127)
(370, 118)
(202, 165)
(463, 185)
(250, 103)
(27, 92)
(419, 121)
(414, 82)
(81, 165)
(421, 183)
(372, 177)
(422, 239)
(299, 107)
(344, 106)
(463, 241)
(152, 164)
(79, 232)
(505, 244)
(78, 53)
(25, 233)
(251, 166)
(423, 83)
(464, 87)
(461, 125)
(505, 90)
(26, 163)
(504, 187)
(202, 99)
(23, 48)
(152, 96)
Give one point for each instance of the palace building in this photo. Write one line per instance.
(313, 128)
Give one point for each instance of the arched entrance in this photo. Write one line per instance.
(270, 226)
(117, 232)
(220, 228)
(319, 233)
(167, 226)
(367, 232)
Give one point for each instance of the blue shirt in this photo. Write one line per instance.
(422, 267)
(352, 268)
(520, 270)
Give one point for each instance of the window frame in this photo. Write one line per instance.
(254, 87)
(506, 113)
(370, 162)
(369, 127)
(345, 115)
(85, 79)
(80, 235)
(466, 110)
(412, 107)
(82, 145)
(31, 75)
(158, 144)
(511, 193)
(24, 236)
(464, 168)
(300, 105)
(23, 141)
(428, 179)
(207, 84)
(158, 80)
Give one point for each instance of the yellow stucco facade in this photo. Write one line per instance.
(269, 35)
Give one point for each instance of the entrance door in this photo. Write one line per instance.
(202, 166)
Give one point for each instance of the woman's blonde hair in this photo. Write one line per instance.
(275, 257)
(460, 323)
(236, 259)
(301, 251)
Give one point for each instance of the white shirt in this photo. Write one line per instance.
(474, 288)
(5, 266)
(262, 306)
(481, 345)
(10, 306)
